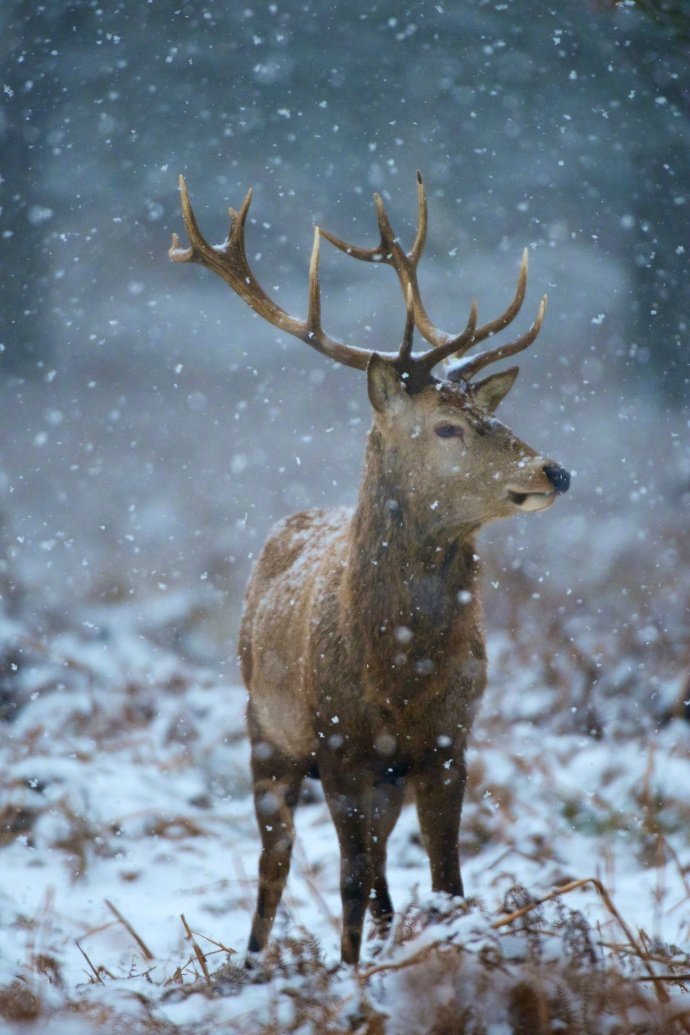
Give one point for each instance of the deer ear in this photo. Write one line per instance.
(387, 393)
(488, 393)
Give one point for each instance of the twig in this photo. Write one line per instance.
(663, 977)
(511, 850)
(101, 927)
(98, 977)
(128, 927)
(626, 951)
(220, 946)
(197, 951)
(409, 961)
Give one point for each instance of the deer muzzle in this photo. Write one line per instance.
(558, 476)
(530, 499)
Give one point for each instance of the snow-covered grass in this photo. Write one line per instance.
(129, 848)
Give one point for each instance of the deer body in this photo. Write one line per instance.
(361, 643)
(361, 658)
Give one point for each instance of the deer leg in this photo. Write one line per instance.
(349, 796)
(439, 802)
(386, 805)
(277, 781)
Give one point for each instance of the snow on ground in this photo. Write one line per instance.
(127, 805)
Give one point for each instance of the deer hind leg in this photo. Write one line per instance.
(348, 794)
(386, 805)
(439, 792)
(277, 781)
(364, 813)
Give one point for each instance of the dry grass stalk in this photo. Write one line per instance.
(625, 950)
(40, 929)
(94, 970)
(200, 957)
(128, 927)
(308, 876)
(219, 945)
(197, 951)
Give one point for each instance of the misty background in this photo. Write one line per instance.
(153, 428)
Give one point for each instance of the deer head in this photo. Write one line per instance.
(456, 464)
(439, 432)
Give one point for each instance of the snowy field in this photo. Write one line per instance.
(161, 428)
(128, 842)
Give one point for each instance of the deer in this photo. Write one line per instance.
(362, 641)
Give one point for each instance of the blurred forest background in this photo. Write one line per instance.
(153, 428)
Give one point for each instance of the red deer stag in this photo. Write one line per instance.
(361, 641)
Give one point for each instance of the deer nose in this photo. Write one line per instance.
(558, 476)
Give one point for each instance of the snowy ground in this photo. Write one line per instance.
(125, 798)
(126, 804)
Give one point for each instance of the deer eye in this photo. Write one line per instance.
(449, 431)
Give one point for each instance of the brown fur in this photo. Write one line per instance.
(362, 644)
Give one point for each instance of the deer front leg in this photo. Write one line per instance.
(440, 791)
(276, 788)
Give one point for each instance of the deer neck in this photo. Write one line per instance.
(407, 583)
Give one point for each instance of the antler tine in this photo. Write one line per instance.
(405, 353)
(230, 263)
(176, 252)
(390, 252)
(394, 254)
(387, 251)
(364, 254)
(237, 224)
(429, 360)
(465, 341)
(314, 310)
(417, 248)
(473, 364)
(509, 314)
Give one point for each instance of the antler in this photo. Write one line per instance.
(473, 364)
(230, 262)
(390, 252)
